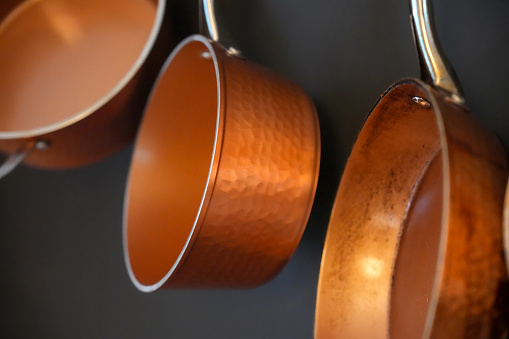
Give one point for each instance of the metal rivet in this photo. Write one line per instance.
(421, 102)
(233, 51)
(42, 145)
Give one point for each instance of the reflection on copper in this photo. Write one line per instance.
(372, 266)
(420, 203)
(64, 21)
(226, 200)
(59, 58)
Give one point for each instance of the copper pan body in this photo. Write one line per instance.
(506, 227)
(223, 174)
(414, 247)
(100, 126)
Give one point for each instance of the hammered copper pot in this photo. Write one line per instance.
(75, 76)
(223, 175)
(414, 247)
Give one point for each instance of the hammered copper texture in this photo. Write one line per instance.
(264, 184)
(361, 246)
(111, 127)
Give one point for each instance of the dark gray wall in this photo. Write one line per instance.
(61, 265)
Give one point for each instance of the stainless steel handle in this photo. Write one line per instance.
(207, 8)
(209, 26)
(435, 68)
(17, 157)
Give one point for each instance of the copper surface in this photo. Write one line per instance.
(414, 247)
(506, 227)
(223, 175)
(417, 256)
(77, 75)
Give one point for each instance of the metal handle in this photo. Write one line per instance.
(209, 17)
(17, 157)
(435, 68)
(209, 26)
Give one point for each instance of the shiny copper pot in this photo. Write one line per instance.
(223, 174)
(75, 76)
(414, 247)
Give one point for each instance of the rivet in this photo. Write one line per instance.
(421, 102)
(233, 51)
(42, 145)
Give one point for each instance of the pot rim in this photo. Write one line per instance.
(160, 12)
(214, 164)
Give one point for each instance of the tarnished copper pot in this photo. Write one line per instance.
(506, 227)
(223, 174)
(414, 247)
(75, 76)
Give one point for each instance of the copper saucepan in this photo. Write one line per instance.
(75, 76)
(223, 174)
(414, 246)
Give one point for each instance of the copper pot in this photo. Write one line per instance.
(506, 227)
(224, 171)
(414, 246)
(75, 76)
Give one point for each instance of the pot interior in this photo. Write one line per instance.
(416, 262)
(172, 163)
(60, 58)
(392, 179)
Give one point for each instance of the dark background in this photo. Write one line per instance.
(61, 261)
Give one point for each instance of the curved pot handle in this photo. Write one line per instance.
(17, 157)
(209, 26)
(435, 68)
(208, 14)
